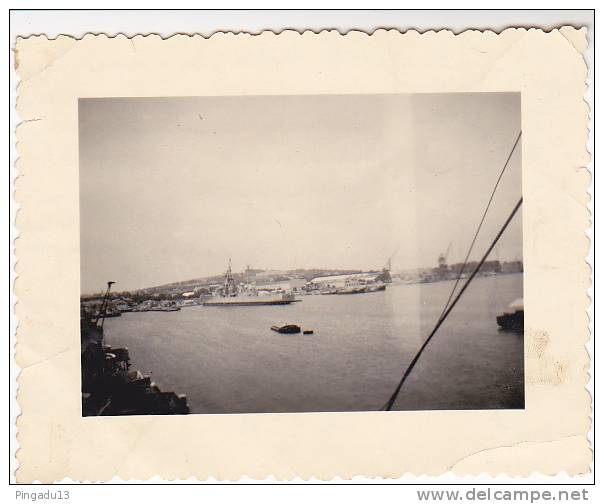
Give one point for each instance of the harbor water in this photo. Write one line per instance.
(227, 360)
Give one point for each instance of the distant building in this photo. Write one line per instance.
(487, 267)
(512, 267)
(491, 267)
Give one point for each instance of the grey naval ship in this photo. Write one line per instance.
(230, 294)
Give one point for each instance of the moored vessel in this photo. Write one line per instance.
(230, 294)
(513, 318)
(286, 329)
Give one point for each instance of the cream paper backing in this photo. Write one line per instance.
(547, 437)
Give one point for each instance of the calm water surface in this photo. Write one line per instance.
(227, 360)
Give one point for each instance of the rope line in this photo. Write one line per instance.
(394, 396)
(465, 261)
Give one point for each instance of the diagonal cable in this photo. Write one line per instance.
(407, 372)
(465, 261)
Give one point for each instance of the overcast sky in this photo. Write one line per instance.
(170, 188)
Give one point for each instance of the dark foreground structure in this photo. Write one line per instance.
(110, 387)
(513, 318)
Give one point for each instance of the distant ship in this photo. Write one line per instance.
(356, 287)
(245, 295)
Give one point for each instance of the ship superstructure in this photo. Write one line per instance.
(245, 294)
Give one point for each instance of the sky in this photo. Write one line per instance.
(171, 188)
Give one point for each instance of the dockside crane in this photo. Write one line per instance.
(389, 261)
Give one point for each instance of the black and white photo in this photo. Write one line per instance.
(282, 254)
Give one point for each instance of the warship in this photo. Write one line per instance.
(230, 294)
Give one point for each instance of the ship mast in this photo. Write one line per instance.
(229, 283)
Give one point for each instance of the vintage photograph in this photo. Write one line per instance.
(290, 254)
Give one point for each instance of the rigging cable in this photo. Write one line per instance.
(465, 261)
(392, 399)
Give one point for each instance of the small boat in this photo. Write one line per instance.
(110, 312)
(165, 308)
(513, 318)
(308, 331)
(378, 287)
(286, 329)
(329, 291)
(359, 289)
